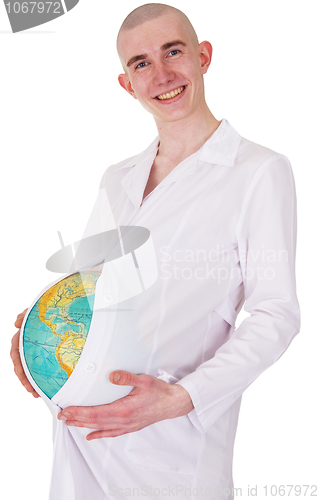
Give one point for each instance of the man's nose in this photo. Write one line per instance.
(163, 74)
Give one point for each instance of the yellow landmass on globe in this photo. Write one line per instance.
(69, 351)
(59, 296)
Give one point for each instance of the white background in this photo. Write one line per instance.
(64, 118)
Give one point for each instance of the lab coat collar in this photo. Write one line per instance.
(221, 149)
(135, 180)
(222, 146)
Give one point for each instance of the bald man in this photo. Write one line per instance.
(212, 200)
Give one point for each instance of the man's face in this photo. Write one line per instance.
(160, 57)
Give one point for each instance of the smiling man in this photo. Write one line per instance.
(164, 66)
(222, 214)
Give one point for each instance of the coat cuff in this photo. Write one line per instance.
(190, 388)
(194, 414)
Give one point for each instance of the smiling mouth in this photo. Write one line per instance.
(172, 94)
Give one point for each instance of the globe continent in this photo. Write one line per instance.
(56, 330)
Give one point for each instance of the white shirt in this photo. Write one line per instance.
(223, 225)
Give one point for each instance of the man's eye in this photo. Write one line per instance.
(140, 65)
(175, 51)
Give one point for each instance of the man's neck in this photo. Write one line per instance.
(181, 138)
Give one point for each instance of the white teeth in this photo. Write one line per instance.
(169, 95)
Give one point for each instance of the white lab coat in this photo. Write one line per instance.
(223, 225)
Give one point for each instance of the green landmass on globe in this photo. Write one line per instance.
(56, 330)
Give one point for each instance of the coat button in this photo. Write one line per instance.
(108, 299)
(90, 367)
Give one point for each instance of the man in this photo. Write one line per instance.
(222, 215)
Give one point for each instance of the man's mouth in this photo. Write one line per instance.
(171, 94)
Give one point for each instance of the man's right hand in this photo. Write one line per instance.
(15, 356)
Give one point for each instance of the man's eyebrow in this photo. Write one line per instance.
(171, 44)
(136, 58)
(166, 46)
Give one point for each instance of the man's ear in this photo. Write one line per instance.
(205, 52)
(126, 84)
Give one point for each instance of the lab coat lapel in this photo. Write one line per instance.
(134, 182)
(221, 148)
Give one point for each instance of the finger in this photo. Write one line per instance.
(18, 368)
(95, 413)
(121, 377)
(14, 352)
(103, 426)
(87, 425)
(102, 423)
(98, 417)
(19, 320)
(30, 389)
(25, 382)
(105, 434)
(15, 356)
(79, 413)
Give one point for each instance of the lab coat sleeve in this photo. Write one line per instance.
(266, 235)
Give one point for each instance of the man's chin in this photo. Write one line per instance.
(173, 116)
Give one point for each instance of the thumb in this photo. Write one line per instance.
(121, 377)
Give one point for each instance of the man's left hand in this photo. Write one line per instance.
(150, 401)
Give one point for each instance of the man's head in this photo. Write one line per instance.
(160, 54)
(151, 11)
